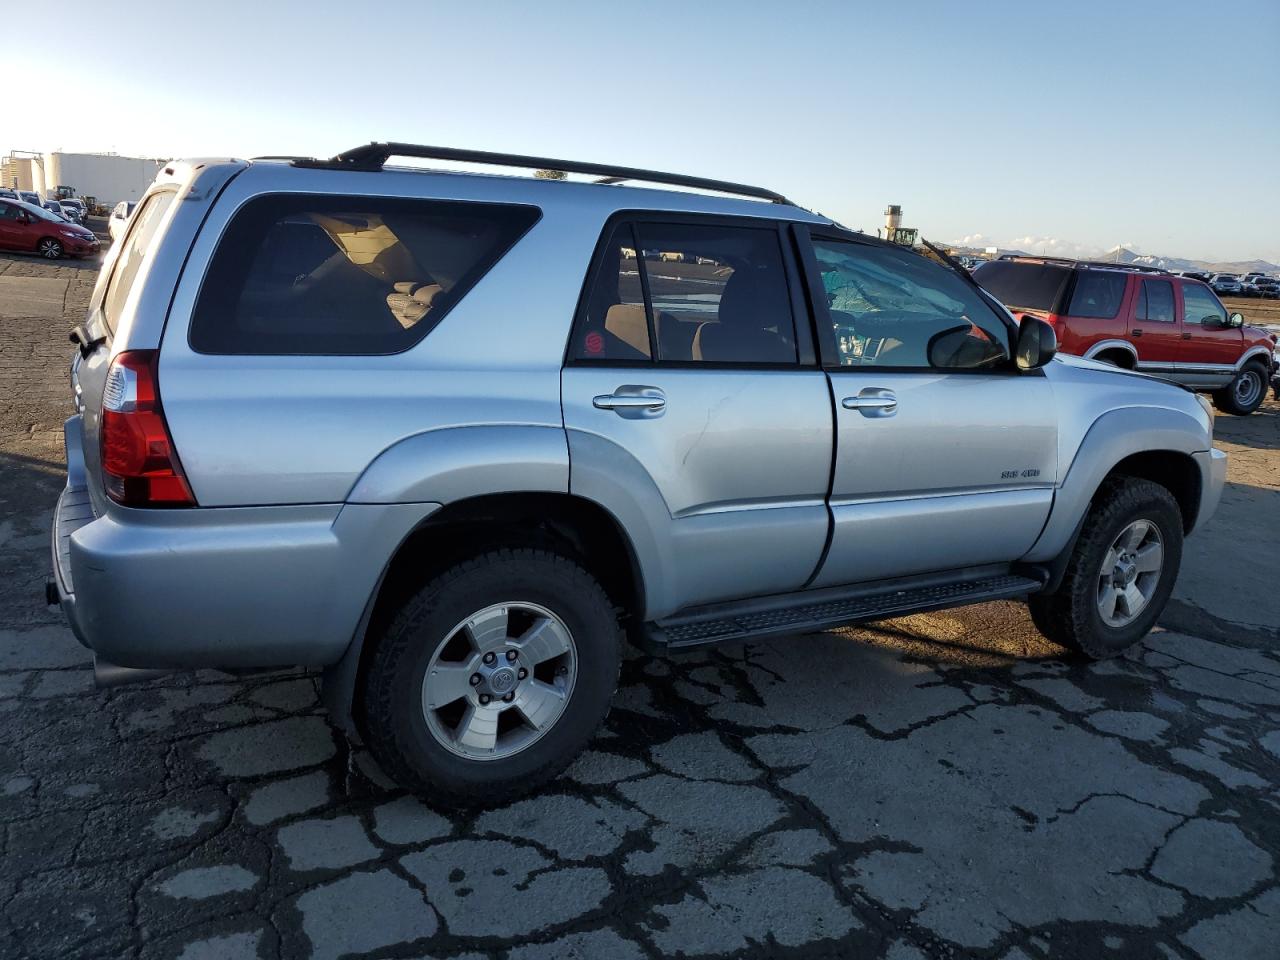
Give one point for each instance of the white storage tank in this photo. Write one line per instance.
(105, 176)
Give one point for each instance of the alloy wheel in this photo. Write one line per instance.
(499, 680)
(1130, 573)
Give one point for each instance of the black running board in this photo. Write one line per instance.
(811, 610)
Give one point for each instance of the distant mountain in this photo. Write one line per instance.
(1121, 255)
(1124, 255)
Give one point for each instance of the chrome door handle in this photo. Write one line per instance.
(632, 399)
(873, 402)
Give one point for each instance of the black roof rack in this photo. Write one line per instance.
(374, 156)
(1097, 264)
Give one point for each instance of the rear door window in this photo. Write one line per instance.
(137, 244)
(702, 293)
(300, 274)
(1156, 301)
(1097, 294)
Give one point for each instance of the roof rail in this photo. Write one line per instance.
(1139, 267)
(1097, 264)
(374, 156)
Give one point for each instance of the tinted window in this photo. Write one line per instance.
(1030, 286)
(1156, 301)
(1199, 305)
(717, 294)
(893, 308)
(136, 245)
(1098, 293)
(300, 274)
(614, 325)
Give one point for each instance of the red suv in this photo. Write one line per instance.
(36, 230)
(1141, 319)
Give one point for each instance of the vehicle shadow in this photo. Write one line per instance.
(10, 258)
(1260, 429)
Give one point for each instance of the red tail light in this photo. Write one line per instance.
(139, 465)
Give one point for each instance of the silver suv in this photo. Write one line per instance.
(451, 437)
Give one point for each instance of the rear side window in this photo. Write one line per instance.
(1156, 301)
(1030, 286)
(137, 244)
(301, 274)
(711, 293)
(1097, 294)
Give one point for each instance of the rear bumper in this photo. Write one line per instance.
(1213, 477)
(237, 587)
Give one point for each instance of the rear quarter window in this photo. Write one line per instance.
(1097, 294)
(1031, 286)
(301, 274)
(137, 244)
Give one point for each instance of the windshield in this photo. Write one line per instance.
(1027, 286)
(39, 211)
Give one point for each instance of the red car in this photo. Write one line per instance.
(1140, 319)
(35, 230)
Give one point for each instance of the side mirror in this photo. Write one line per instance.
(1037, 343)
(1235, 320)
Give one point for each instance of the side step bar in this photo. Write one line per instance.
(812, 610)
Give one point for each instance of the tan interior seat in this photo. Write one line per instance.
(411, 301)
(628, 323)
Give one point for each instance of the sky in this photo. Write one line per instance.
(1064, 127)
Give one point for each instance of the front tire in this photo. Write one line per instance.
(1120, 574)
(492, 678)
(1246, 392)
(50, 249)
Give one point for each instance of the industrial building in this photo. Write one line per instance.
(107, 177)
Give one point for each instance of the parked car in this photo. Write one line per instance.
(8, 193)
(1268, 287)
(1227, 284)
(31, 228)
(31, 197)
(1200, 275)
(54, 207)
(118, 222)
(73, 209)
(1140, 319)
(452, 474)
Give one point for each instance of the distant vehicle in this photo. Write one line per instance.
(8, 193)
(671, 256)
(1200, 275)
(1227, 284)
(119, 219)
(54, 207)
(74, 209)
(1140, 319)
(30, 196)
(31, 228)
(1268, 287)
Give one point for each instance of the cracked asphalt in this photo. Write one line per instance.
(944, 785)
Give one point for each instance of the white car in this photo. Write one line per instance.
(74, 209)
(119, 219)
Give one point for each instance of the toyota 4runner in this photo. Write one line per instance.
(448, 438)
(1140, 318)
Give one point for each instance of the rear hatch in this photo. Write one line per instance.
(130, 301)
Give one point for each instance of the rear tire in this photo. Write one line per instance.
(49, 248)
(434, 738)
(1091, 612)
(1246, 392)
